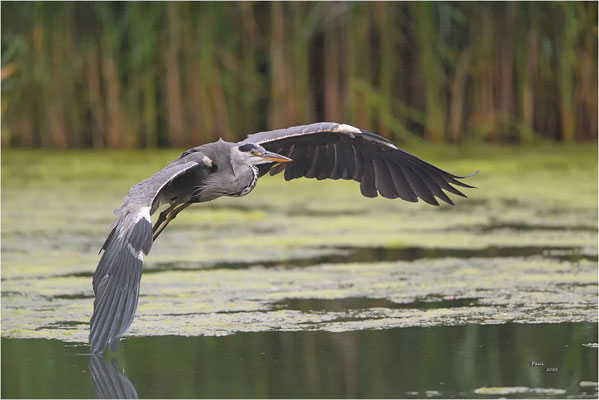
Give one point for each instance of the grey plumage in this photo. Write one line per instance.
(117, 277)
(323, 151)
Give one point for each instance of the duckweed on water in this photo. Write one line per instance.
(301, 240)
(225, 301)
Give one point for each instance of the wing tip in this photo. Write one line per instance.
(455, 181)
(95, 346)
(118, 289)
(431, 201)
(466, 176)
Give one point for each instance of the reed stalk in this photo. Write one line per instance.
(178, 74)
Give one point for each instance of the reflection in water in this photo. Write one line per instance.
(108, 382)
(453, 361)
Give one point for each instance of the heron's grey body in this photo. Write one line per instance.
(221, 173)
(204, 173)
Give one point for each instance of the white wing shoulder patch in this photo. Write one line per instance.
(345, 128)
(352, 131)
(207, 161)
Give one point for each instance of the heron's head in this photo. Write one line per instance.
(255, 154)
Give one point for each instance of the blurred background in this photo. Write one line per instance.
(136, 74)
(305, 288)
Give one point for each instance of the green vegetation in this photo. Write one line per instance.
(109, 74)
(524, 244)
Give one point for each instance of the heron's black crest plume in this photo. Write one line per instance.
(247, 147)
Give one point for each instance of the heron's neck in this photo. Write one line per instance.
(239, 163)
(245, 179)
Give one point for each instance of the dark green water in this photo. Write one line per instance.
(393, 363)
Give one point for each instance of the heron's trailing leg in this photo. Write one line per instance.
(167, 216)
(162, 218)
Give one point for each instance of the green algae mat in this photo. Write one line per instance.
(308, 255)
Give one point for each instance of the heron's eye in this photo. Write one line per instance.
(253, 152)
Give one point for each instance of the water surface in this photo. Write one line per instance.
(307, 289)
(392, 363)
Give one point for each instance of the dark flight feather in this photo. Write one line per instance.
(337, 151)
(383, 180)
(367, 180)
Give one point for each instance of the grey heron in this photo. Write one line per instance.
(322, 150)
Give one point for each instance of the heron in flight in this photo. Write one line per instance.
(323, 151)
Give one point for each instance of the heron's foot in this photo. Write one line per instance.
(167, 216)
(162, 218)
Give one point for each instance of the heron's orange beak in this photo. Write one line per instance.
(275, 157)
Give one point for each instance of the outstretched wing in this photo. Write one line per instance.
(338, 151)
(117, 277)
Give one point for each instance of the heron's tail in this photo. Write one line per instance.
(117, 277)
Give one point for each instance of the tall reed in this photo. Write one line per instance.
(179, 74)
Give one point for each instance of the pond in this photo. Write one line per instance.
(457, 361)
(306, 289)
